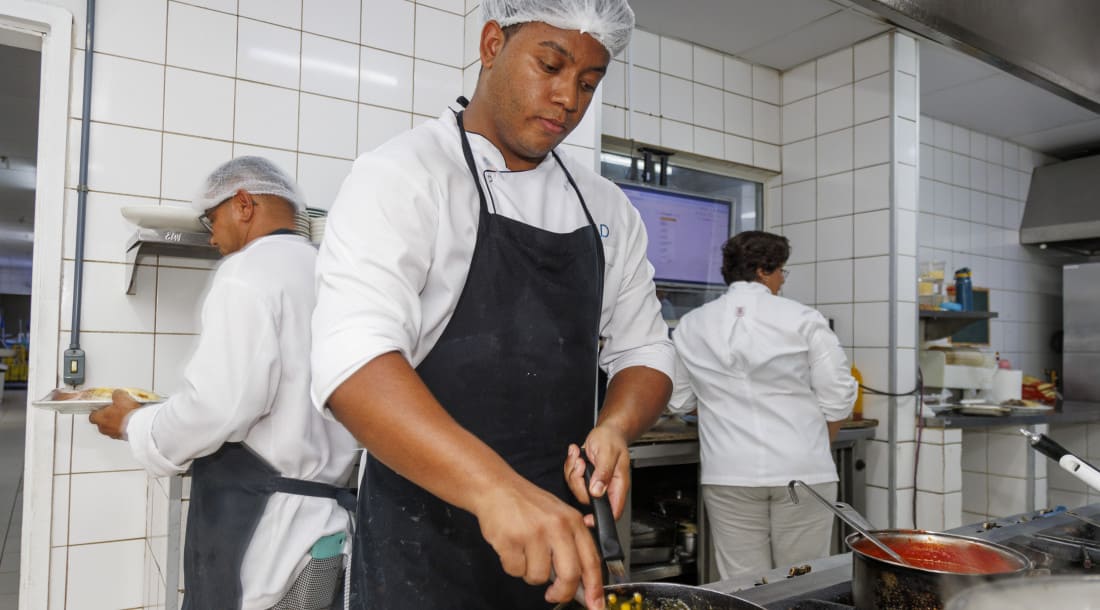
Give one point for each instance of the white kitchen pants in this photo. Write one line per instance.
(758, 529)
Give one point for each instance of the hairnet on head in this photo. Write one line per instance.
(256, 175)
(609, 21)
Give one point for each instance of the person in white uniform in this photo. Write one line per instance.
(771, 384)
(468, 271)
(267, 522)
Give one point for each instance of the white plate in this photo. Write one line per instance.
(170, 217)
(79, 406)
(71, 407)
(983, 410)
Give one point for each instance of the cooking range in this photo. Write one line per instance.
(1055, 541)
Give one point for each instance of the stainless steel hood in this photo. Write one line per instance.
(1063, 207)
(1051, 43)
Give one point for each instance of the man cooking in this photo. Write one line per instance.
(467, 276)
(265, 527)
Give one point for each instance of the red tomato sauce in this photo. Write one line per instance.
(933, 555)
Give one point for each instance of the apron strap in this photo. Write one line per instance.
(344, 496)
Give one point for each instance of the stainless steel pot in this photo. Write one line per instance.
(941, 565)
(671, 596)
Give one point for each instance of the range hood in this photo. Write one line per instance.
(1063, 207)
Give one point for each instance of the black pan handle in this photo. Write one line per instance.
(1045, 445)
(606, 534)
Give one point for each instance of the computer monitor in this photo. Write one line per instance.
(686, 233)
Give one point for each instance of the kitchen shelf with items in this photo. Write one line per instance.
(176, 231)
(945, 311)
(164, 230)
(940, 324)
(165, 242)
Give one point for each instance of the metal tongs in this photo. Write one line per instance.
(849, 515)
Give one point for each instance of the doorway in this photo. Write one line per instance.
(20, 71)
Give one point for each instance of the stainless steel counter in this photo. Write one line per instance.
(1070, 412)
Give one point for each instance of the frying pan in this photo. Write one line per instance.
(672, 596)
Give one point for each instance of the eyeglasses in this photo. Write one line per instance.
(206, 222)
(206, 219)
(785, 273)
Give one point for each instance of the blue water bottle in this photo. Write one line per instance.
(964, 289)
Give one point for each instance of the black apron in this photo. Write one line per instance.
(229, 490)
(516, 366)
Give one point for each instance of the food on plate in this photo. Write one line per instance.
(104, 394)
(1037, 389)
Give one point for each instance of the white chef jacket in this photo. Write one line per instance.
(401, 235)
(248, 380)
(766, 373)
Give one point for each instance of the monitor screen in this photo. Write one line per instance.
(686, 233)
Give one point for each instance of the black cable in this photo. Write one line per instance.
(882, 393)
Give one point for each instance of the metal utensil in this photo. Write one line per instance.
(1083, 518)
(850, 516)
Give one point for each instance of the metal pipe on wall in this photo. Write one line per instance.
(74, 356)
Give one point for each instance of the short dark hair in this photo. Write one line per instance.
(748, 251)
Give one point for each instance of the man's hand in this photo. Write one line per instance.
(607, 449)
(538, 536)
(111, 420)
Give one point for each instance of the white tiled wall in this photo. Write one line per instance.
(847, 203)
(693, 99)
(179, 87)
(972, 192)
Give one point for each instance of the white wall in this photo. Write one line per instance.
(847, 201)
(689, 98)
(972, 192)
(973, 189)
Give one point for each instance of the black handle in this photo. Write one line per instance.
(606, 534)
(1049, 448)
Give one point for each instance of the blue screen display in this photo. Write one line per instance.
(686, 233)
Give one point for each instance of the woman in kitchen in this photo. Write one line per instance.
(466, 277)
(771, 383)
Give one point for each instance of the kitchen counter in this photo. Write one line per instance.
(1072, 412)
(674, 430)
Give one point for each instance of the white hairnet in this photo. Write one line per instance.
(256, 175)
(609, 21)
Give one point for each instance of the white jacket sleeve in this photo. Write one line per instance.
(634, 332)
(830, 376)
(371, 269)
(683, 399)
(229, 383)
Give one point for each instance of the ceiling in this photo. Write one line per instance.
(954, 87)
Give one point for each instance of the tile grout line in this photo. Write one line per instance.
(11, 515)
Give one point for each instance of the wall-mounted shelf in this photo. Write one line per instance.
(165, 242)
(940, 324)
